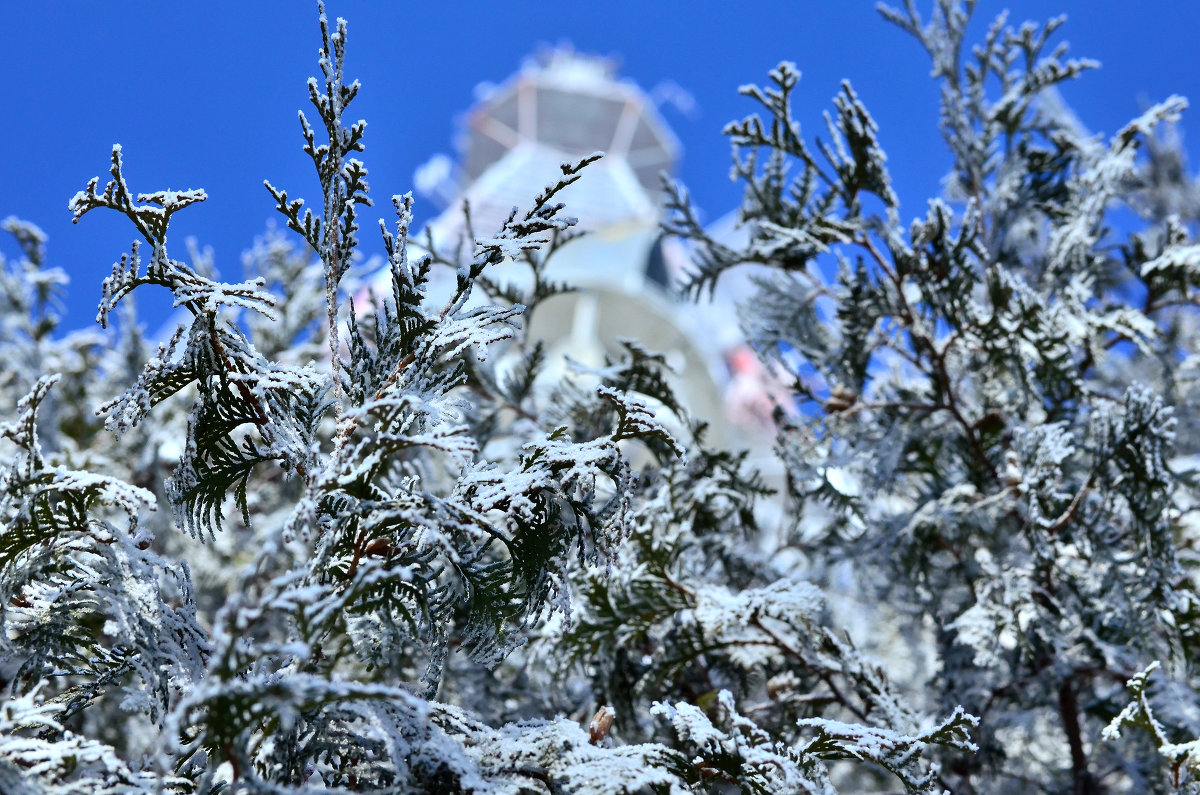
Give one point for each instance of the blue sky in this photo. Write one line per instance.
(204, 95)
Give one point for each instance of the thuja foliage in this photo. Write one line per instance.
(323, 539)
(991, 438)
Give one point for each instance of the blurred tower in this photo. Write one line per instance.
(561, 107)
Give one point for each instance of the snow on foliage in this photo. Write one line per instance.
(398, 556)
(985, 443)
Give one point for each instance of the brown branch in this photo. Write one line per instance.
(1068, 707)
(824, 674)
(936, 356)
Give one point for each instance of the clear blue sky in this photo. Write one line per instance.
(204, 95)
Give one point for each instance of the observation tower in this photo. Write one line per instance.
(561, 107)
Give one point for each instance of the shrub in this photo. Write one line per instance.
(391, 561)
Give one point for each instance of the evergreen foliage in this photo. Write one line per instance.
(394, 554)
(986, 438)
